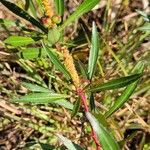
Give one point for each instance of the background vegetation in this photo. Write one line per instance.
(74, 74)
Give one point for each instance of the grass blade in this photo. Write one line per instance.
(76, 108)
(70, 145)
(19, 40)
(33, 9)
(21, 13)
(93, 51)
(145, 27)
(105, 138)
(40, 98)
(35, 87)
(116, 83)
(86, 6)
(56, 61)
(59, 7)
(126, 93)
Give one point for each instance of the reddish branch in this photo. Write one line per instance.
(82, 95)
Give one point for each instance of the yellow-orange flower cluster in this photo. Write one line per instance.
(48, 8)
(69, 64)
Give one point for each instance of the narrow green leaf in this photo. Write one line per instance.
(33, 9)
(35, 87)
(122, 99)
(100, 118)
(21, 13)
(31, 53)
(116, 83)
(127, 92)
(145, 27)
(93, 51)
(82, 69)
(19, 40)
(59, 7)
(92, 101)
(76, 108)
(105, 138)
(86, 6)
(40, 98)
(64, 103)
(70, 145)
(56, 61)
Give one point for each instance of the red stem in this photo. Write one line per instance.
(86, 108)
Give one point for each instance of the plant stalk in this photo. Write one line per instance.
(82, 95)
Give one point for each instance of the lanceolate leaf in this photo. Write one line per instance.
(93, 51)
(86, 6)
(116, 83)
(40, 98)
(105, 138)
(21, 13)
(56, 62)
(19, 40)
(70, 145)
(122, 99)
(126, 93)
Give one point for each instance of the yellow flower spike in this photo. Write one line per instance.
(69, 64)
(48, 8)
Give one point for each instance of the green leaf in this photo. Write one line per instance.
(127, 92)
(70, 145)
(93, 52)
(35, 87)
(64, 103)
(33, 9)
(145, 27)
(92, 101)
(116, 83)
(40, 98)
(100, 118)
(21, 13)
(76, 108)
(105, 138)
(83, 70)
(31, 53)
(19, 40)
(7, 23)
(56, 61)
(53, 36)
(86, 6)
(59, 7)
